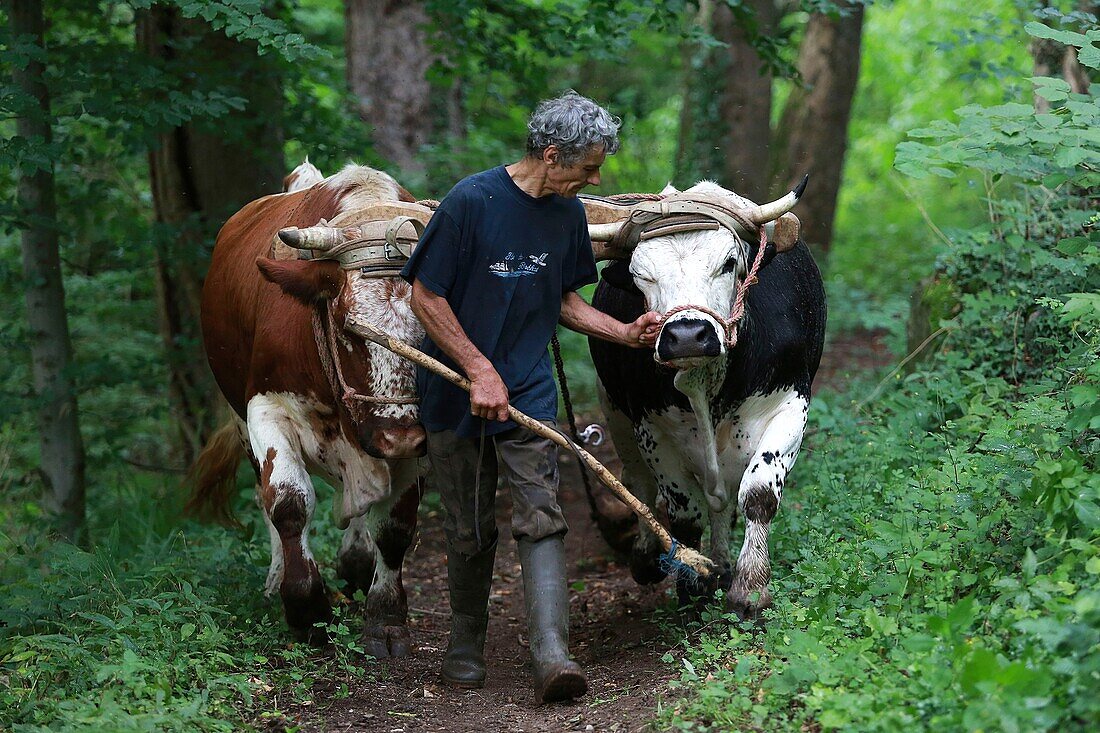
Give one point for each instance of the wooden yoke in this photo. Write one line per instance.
(606, 219)
(604, 211)
(380, 233)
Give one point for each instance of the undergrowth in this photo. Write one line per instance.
(158, 630)
(937, 559)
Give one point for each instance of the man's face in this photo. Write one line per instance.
(569, 180)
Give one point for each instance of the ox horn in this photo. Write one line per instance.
(604, 232)
(604, 246)
(319, 237)
(771, 211)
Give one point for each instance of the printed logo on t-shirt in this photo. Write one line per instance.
(514, 265)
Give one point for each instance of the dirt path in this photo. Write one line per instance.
(614, 635)
(614, 629)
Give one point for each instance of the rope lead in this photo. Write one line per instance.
(670, 565)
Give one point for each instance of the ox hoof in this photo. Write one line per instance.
(356, 568)
(694, 590)
(313, 635)
(617, 525)
(387, 641)
(303, 615)
(645, 567)
(749, 604)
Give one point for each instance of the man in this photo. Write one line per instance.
(494, 272)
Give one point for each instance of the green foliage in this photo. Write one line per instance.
(157, 629)
(937, 556)
(246, 20)
(1052, 149)
(919, 62)
(939, 570)
(516, 40)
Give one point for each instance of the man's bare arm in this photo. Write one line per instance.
(578, 315)
(488, 395)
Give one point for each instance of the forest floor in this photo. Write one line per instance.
(616, 630)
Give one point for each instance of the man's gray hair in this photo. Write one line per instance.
(573, 123)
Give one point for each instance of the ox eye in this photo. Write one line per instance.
(729, 266)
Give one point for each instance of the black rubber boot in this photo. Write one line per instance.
(469, 580)
(546, 594)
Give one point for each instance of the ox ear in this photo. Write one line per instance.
(617, 274)
(669, 189)
(770, 252)
(307, 281)
(785, 232)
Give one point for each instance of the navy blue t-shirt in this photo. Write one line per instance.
(503, 260)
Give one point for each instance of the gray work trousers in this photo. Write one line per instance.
(529, 464)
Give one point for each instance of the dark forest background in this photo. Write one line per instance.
(953, 152)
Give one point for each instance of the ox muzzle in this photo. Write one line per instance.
(688, 341)
(393, 440)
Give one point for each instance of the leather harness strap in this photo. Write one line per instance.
(678, 213)
(375, 257)
(380, 248)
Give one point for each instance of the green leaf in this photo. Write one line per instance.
(1087, 512)
(1073, 245)
(832, 719)
(1070, 38)
(1072, 157)
(1029, 564)
(962, 614)
(982, 666)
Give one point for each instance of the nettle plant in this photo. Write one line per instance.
(1045, 236)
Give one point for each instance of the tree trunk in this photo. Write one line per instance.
(745, 100)
(201, 172)
(813, 133)
(456, 110)
(61, 450)
(1051, 58)
(696, 146)
(387, 64)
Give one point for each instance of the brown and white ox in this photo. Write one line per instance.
(302, 177)
(258, 328)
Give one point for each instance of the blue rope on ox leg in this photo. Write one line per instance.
(668, 563)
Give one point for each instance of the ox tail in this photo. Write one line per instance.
(213, 477)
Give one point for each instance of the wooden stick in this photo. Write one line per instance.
(693, 559)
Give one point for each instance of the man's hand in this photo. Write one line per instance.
(488, 395)
(642, 333)
(580, 316)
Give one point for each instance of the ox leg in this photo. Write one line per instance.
(613, 517)
(357, 556)
(386, 633)
(288, 500)
(758, 501)
(641, 475)
(275, 569)
(720, 525)
(686, 523)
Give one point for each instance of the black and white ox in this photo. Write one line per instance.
(710, 423)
